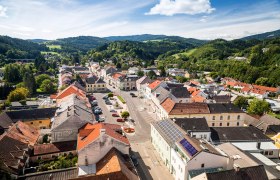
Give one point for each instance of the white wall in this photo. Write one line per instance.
(161, 146)
(99, 148)
(202, 135)
(178, 166)
(209, 160)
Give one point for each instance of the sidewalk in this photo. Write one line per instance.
(152, 161)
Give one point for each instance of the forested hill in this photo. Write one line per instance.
(146, 51)
(263, 36)
(150, 37)
(14, 48)
(80, 43)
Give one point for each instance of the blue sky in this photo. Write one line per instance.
(202, 19)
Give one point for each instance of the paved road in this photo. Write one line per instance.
(150, 164)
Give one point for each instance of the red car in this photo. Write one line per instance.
(115, 115)
(120, 120)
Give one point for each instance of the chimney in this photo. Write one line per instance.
(258, 145)
(68, 108)
(102, 132)
(68, 114)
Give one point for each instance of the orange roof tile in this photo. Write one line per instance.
(24, 133)
(68, 91)
(91, 132)
(246, 89)
(117, 75)
(168, 104)
(195, 82)
(198, 99)
(230, 83)
(190, 108)
(265, 88)
(195, 93)
(192, 89)
(154, 84)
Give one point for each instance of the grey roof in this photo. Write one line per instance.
(223, 108)
(255, 172)
(161, 93)
(110, 70)
(144, 80)
(79, 68)
(169, 131)
(9, 117)
(180, 92)
(128, 78)
(265, 121)
(79, 86)
(193, 124)
(61, 174)
(73, 117)
(100, 81)
(222, 99)
(237, 134)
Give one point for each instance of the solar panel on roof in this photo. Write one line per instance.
(188, 147)
(170, 130)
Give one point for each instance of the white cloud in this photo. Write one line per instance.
(172, 7)
(3, 11)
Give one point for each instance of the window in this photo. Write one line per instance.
(237, 124)
(221, 117)
(194, 136)
(39, 157)
(214, 117)
(270, 153)
(202, 165)
(31, 123)
(227, 124)
(265, 152)
(40, 121)
(238, 117)
(221, 124)
(228, 118)
(213, 124)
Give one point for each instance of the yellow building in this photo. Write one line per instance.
(216, 115)
(95, 84)
(39, 118)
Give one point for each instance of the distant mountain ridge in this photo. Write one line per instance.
(262, 36)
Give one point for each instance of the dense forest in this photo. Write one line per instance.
(248, 59)
(13, 48)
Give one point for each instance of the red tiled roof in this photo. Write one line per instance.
(190, 108)
(68, 91)
(24, 133)
(192, 89)
(265, 88)
(256, 91)
(85, 136)
(40, 149)
(246, 89)
(198, 98)
(154, 84)
(195, 93)
(117, 75)
(195, 82)
(168, 104)
(230, 83)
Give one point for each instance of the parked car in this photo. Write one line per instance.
(120, 120)
(108, 103)
(94, 103)
(113, 110)
(101, 119)
(134, 160)
(132, 94)
(98, 111)
(105, 97)
(115, 115)
(97, 107)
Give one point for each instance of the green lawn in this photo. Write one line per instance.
(51, 52)
(188, 53)
(52, 46)
(275, 115)
(121, 99)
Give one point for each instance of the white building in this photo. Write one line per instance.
(164, 134)
(96, 140)
(192, 156)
